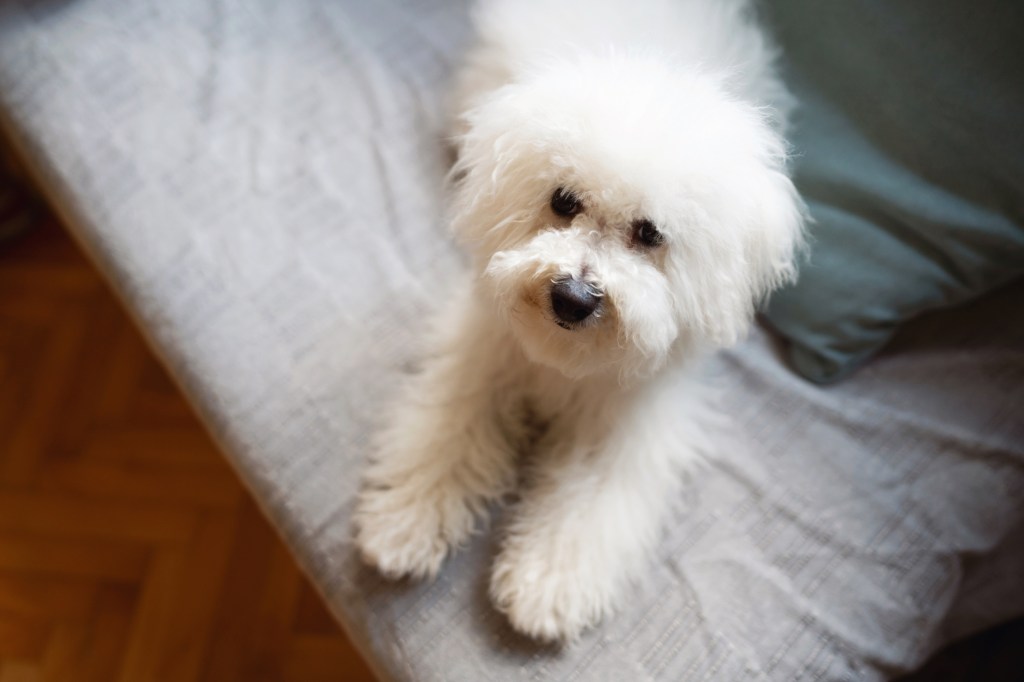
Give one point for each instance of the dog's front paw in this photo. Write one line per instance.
(552, 596)
(406, 532)
(399, 542)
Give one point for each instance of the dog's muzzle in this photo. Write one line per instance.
(573, 301)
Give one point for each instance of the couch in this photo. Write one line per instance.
(262, 184)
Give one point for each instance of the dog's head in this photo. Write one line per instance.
(618, 210)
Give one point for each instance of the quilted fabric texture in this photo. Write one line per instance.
(261, 182)
(908, 151)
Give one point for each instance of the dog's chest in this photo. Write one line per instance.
(551, 399)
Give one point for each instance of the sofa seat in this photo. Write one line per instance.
(262, 184)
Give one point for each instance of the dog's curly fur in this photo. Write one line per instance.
(659, 123)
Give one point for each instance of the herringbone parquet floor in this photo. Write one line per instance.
(128, 549)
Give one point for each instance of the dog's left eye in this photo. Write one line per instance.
(565, 203)
(646, 234)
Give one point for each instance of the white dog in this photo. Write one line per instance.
(621, 187)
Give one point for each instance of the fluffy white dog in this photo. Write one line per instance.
(621, 186)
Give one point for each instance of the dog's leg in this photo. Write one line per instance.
(446, 451)
(593, 512)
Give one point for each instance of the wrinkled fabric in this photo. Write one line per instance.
(262, 184)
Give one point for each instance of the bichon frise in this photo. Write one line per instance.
(621, 187)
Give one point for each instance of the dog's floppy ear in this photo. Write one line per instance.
(752, 240)
(776, 239)
(772, 241)
(499, 177)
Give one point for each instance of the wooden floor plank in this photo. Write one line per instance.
(19, 671)
(90, 558)
(136, 480)
(170, 448)
(236, 621)
(108, 634)
(22, 638)
(45, 597)
(128, 360)
(151, 625)
(191, 633)
(67, 646)
(48, 513)
(34, 427)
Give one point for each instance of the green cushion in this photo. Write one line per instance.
(909, 149)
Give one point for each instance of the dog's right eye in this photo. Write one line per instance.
(565, 203)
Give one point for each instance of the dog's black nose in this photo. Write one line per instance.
(573, 300)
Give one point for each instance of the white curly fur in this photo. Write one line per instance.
(662, 110)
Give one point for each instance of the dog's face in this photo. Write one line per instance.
(618, 211)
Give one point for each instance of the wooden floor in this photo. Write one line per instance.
(128, 549)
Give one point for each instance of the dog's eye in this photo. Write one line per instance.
(646, 234)
(565, 203)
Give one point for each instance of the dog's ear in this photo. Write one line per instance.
(775, 239)
(772, 241)
(752, 240)
(498, 182)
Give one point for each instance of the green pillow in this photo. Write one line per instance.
(909, 150)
